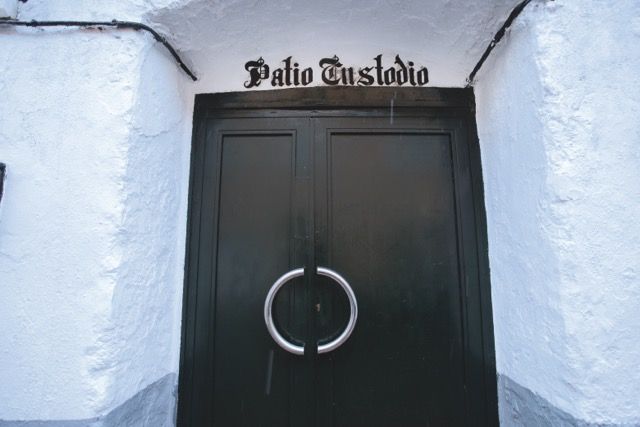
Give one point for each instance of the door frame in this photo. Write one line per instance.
(456, 103)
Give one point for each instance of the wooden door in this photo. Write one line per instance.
(388, 202)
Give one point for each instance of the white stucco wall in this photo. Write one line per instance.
(95, 131)
(8, 8)
(558, 110)
(220, 37)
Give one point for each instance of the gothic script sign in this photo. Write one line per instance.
(332, 72)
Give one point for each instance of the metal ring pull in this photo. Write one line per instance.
(353, 307)
(324, 348)
(268, 315)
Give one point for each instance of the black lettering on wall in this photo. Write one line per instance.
(365, 79)
(423, 77)
(334, 73)
(378, 60)
(258, 71)
(307, 76)
(412, 77)
(330, 68)
(402, 74)
(389, 76)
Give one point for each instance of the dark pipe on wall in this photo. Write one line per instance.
(3, 169)
(98, 24)
(496, 38)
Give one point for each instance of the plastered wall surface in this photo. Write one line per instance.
(95, 130)
(557, 111)
(60, 216)
(220, 37)
(8, 8)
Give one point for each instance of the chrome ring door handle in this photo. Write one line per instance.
(323, 348)
(353, 307)
(268, 315)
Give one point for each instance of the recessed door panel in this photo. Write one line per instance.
(254, 222)
(391, 231)
(375, 203)
(254, 247)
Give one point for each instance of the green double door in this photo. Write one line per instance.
(385, 203)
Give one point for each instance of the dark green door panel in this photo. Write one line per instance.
(391, 231)
(393, 203)
(254, 228)
(254, 246)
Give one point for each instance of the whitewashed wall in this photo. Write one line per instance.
(559, 122)
(95, 131)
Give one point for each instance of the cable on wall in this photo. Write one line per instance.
(115, 23)
(3, 169)
(496, 39)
